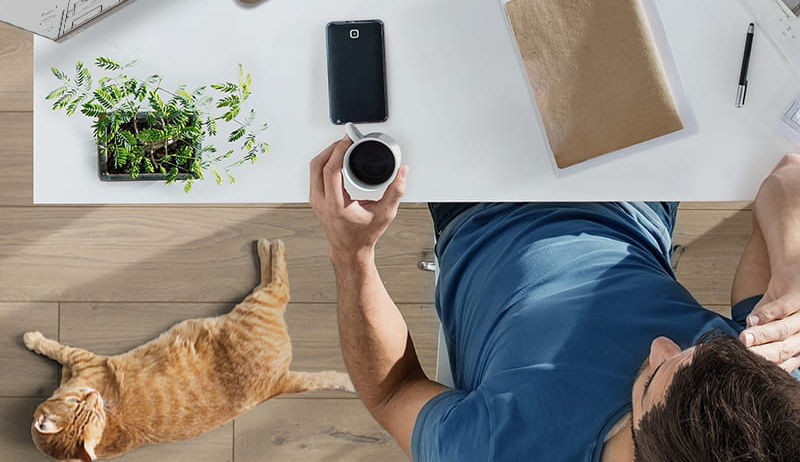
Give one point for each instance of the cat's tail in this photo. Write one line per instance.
(298, 382)
(274, 269)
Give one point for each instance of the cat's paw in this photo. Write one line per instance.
(32, 339)
(344, 383)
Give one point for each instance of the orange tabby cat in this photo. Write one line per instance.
(196, 376)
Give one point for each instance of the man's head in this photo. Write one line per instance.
(716, 401)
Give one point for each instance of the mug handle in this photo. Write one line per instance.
(353, 132)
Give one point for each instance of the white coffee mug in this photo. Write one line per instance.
(370, 164)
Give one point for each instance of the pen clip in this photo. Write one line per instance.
(744, 95)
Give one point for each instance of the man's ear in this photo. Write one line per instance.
(45, 425)
(86, 453)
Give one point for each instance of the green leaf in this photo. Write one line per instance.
(56, 93)
(217, 175)
(73, 106)
(105, 98)
(188, 186)
(141, 92)
(231, 178)
(250, 143)
(107, 64)
(211, 126)
(227, 87)
(152, 135)
(236, 134)
(250, 117)
(229, 101)
(156, 102)
(80, 75)
(87, 78)
(59, 75)
(230, 115)
(245, 82)
(64, 100)
(93, 110)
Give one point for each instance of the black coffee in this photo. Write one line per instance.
(372, 163)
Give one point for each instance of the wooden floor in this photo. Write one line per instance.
(109, 278)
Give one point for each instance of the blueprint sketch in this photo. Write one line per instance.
(53, 19)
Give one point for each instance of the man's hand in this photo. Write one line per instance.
(774, 325)
(776, 334)
(353, 227)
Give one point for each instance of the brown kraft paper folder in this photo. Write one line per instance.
(596, 74)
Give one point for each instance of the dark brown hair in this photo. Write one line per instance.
(726, 405)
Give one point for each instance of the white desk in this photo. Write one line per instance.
(459, 102)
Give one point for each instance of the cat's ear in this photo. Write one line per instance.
(86, 454)
(45, 425)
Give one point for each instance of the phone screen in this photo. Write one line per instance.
(356, 72)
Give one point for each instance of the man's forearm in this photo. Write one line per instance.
(753, 273)
(374, 336)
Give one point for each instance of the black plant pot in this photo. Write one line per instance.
(105, 175)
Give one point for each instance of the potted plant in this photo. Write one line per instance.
(146, 132)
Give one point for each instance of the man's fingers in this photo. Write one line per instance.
(777, 309)
(397, 189)
(316, 188)
(775, 331)
(332, 172)
(779, 352)
(791, 365)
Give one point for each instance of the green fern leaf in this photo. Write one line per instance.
(107, 64)
(60, 75)
(56, 93)
(236, 134)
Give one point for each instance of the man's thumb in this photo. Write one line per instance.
(397, 189)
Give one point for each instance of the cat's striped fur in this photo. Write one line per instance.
(195, 377)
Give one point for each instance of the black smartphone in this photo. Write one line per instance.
(356, 72)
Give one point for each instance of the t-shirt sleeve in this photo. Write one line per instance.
(452, 426)
(741, 310)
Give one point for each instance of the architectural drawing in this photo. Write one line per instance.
(53, 18)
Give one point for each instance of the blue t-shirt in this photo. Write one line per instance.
(548, 312)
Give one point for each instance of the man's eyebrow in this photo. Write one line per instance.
(649, 381)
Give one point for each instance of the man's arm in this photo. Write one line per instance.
(774, 325)
(376, 346)
(753, 273)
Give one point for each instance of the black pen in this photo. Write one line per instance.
(748, 48)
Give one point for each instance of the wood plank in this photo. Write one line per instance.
(724, 310)
(16, 445)
(23, 372)
(214, 446)
(717, 205)
(16, 69)
(140, 254)
(16, 158)
(315, 337)
(714, 241)
(312, 430)
(16, 415)
(113, 328)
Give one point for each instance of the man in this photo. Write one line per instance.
(549, 311)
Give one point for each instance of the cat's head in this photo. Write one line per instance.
(69, 424)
